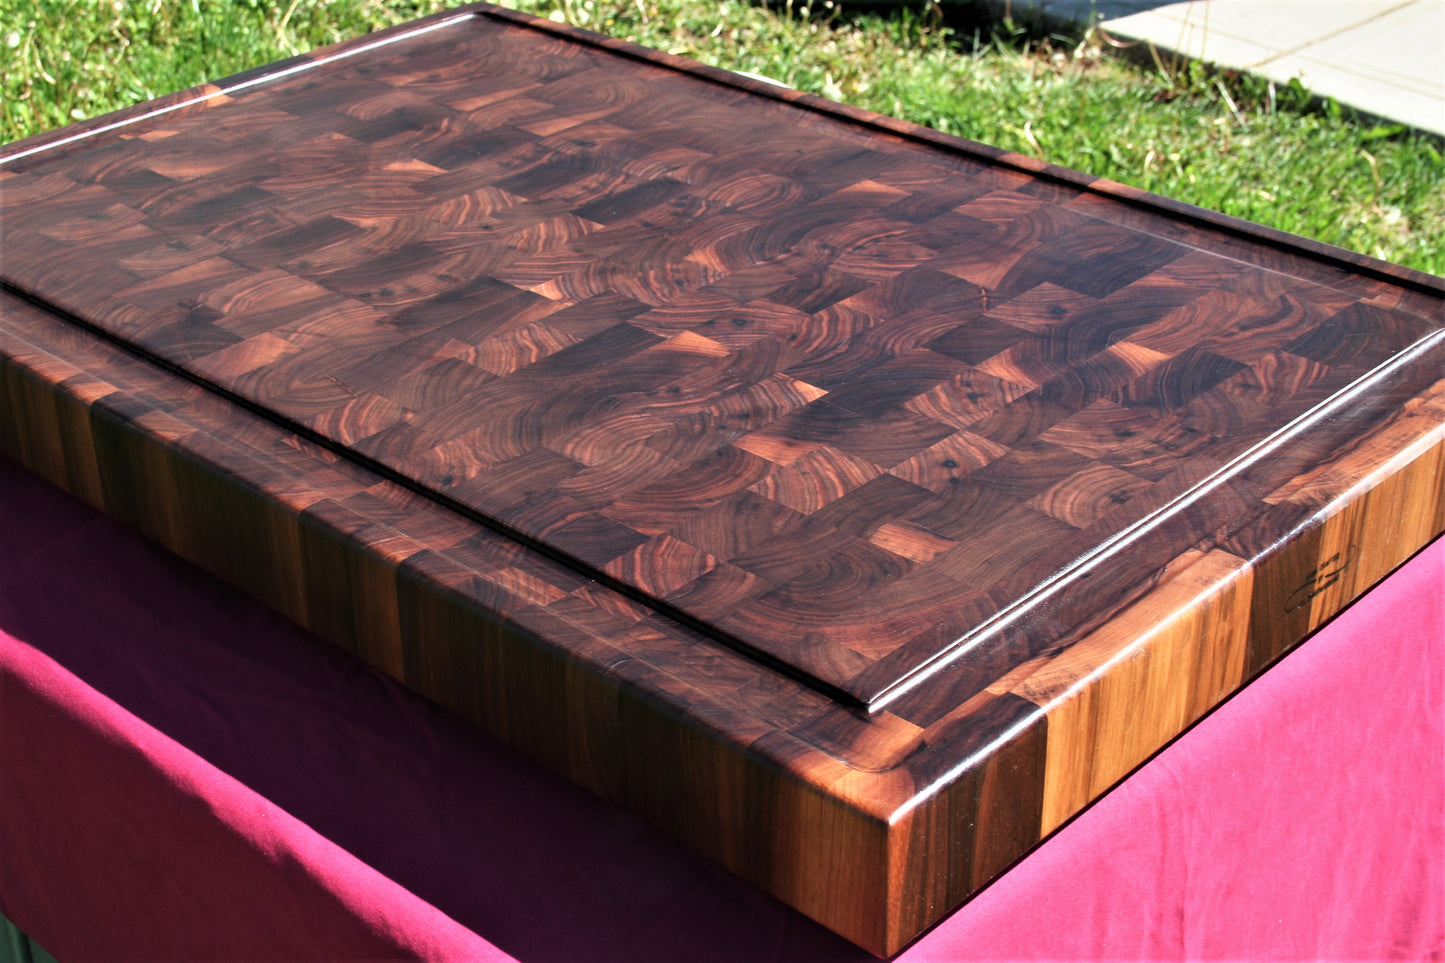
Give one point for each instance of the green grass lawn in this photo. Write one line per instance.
(1231, 144)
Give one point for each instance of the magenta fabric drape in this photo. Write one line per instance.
(184, 774)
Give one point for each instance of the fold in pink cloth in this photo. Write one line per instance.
(185, 774)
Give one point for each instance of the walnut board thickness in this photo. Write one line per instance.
(855, 502)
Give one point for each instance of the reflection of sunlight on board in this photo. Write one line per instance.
(756, 76)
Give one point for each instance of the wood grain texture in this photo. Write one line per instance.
(853, 502)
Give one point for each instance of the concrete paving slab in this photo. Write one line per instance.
(1191, 36)
(1364, 93)
(1405, 48)
(1214, 30)
(1383, 57)
(1392, 66)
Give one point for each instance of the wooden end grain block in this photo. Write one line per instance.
(854, 502)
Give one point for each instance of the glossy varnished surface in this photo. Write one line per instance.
(841, 397)
(523, 362)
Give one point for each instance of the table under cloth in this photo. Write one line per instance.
(184, 774)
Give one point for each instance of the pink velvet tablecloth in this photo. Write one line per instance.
(184, 774)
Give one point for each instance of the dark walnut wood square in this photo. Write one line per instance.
(854, 502)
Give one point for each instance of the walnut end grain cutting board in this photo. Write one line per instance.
(853, 502)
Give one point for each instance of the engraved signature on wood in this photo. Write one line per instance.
(1321, 577)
